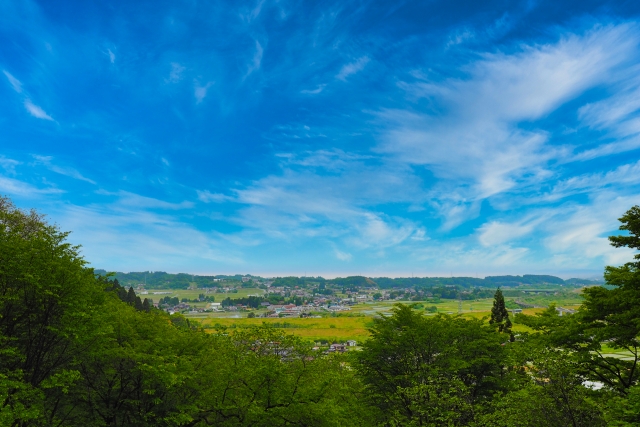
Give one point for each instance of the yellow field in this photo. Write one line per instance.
(340, 329)
(328, 329)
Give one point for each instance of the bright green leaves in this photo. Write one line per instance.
(46, 300)
(431, 370)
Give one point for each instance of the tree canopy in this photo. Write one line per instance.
(77, 348)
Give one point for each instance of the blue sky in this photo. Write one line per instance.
(326, 138)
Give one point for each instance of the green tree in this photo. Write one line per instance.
(131, 296)
(500, 315)
(551, 394)
(431, 370)
(624, 411)
(47, 296)
(609, 315)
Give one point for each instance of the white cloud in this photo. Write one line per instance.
(36, 111)
(378, 231)
(460, 37)
(352, 68)
(15, 83)
(618, 113)
(327, 194)
(14, 187)
(343, 256)
(625, 175)
(256, 61)
(175, 75)
(580, 233)
(127, 237)
(112, 56)
(254, 13)
(315, 91)
(9, 165)
(200, 92)
(474, 145)
(132, 200)
(208, 197)
(464, 258)
(66, 171)
(618, 116)
(497, 233)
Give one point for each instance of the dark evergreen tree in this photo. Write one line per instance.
(122, 294)
(131, 296)
(138, 304)
(146, 305)
(500, 315)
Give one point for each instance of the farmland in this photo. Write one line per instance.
(347, 325)
(322, 325)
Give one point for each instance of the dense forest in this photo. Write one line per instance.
(77, 349)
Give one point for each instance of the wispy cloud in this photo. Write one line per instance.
(15, 83)
(315, 91)
(476, 141)
(496, 233)
(460, 37)
(129, 236)
(9, 165)
(352, 68)
(208, 197)
(200, 92)
(343, 256)
(133, 200)
(253, 13)
(328, 193)
(580, 234)
(175, 75)
(62, 170)
(256, 61)
(17, 188)
(628, 174)
(36, 111)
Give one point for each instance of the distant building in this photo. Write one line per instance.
(562, 311)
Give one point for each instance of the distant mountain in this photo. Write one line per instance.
(527, 279)
(163, 280)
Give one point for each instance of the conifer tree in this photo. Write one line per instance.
(131, 296)
(500, 315)
(122, 294)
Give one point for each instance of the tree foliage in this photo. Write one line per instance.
(431, 370)
(500, 315)
(79, 349)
